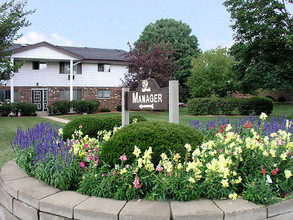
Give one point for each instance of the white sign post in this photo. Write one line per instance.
(174, 101)
(125, 113)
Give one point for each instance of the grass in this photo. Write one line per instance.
(8, 129)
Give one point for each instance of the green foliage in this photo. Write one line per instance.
(263, 44)
(85, 106)
(105, 110)
(25, 108)
(161, 136)
(218, 106)
(178, 34)
(61, 107)
(212, 74)
(212, 106)
(12, 19)
(119, 108)
(92, 125)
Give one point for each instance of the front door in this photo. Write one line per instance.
(40, 98)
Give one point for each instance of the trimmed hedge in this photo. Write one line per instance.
(87, 106)
(61, 107)
(105, 110)
(91, 125)
(25, 108)
(230, 106)
(161, 136)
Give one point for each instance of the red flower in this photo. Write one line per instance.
(212, 127)
(263, 171)
(275, 171)
(248, 126)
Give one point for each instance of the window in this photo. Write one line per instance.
(104, 67)
(65, 94)
(64, 68)
(36, 65)
(4, 95)
(104, 93)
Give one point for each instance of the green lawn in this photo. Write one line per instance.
(8, 129)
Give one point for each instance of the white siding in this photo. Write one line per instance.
(42, 53)
(50, 77)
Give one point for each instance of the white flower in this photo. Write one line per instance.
(263, 116)
(269, 180)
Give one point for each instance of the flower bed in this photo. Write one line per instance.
(251, 164)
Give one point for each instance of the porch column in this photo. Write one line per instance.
(12, 83)
(71, 80)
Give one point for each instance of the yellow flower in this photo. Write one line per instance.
(233, 196)
(139, 163)
(239, 180)
(288, 174)
(192, 180)
(188, 147)
(229, 127)
(60, 131)
(283, 156)
(266, 154)
(273, 152)
(124, 170)
(196, 152)
(225, 183)
(176, 157)
(179, 166)
(164, 156)
(136, 151)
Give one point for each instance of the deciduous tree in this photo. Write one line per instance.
(149, 60)
(212, 74)
(263, 43)
(185, 45)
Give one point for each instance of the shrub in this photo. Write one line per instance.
(88, 106)
(26, 108)
(212, 106)
(60, 107)
(6, 108)
(261, 104)
(105, 110)
(161, 136)
(119, 108)
(91, 125)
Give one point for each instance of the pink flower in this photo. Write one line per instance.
(134, 172)
(127, 166)
(82, 165)
(123, 158)
(97, 161)
(159, 168)
(86, 146)
(136, 183)
(80, 126)
(104, 174)
(96, 149)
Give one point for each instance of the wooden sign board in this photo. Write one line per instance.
(148, 96)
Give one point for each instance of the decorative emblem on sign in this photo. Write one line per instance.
(148, 96)
(145, 87)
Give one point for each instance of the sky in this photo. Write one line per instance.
(113, 23)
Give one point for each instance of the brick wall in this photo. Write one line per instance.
(25, 95)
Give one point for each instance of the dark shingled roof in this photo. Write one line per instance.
(97, 53)
(85, 52)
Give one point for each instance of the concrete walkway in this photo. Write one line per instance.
(45, 115)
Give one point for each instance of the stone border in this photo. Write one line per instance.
(24, 197)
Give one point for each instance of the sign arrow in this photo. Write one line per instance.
(141, 106)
